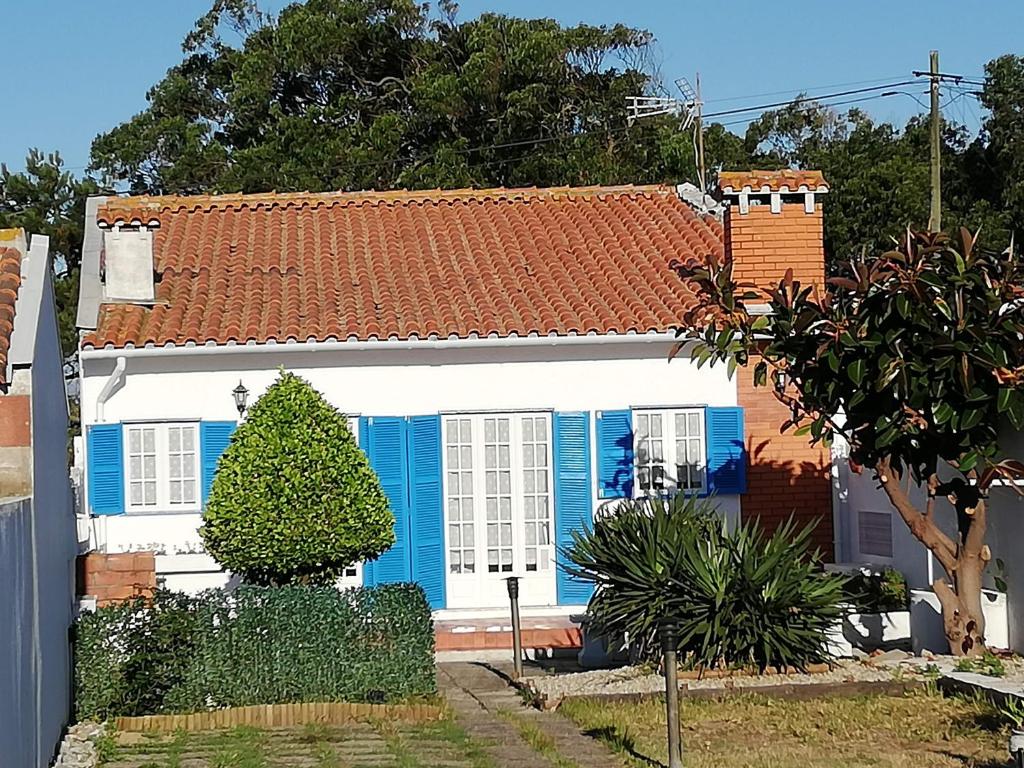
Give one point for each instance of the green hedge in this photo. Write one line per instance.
(255, 645)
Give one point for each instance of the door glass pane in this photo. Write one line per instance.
(498, 492)
(459, 494)
(534, 493)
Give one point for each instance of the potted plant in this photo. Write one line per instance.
(877, 615)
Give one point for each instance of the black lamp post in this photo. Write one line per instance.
(669, 661)
(241, 395)
(512, 582)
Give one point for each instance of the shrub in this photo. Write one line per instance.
(294, 499)
(257, 645)
(130, 656)
(742, 598)
(877, 591)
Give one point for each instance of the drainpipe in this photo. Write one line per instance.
(116, 377)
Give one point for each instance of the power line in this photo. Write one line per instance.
(817, 97)
(798, 90)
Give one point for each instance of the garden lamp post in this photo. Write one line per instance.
(241, 395)
(668, 653)
(512, 582)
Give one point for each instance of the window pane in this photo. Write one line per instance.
(655, 426)
(466, 457)
(453, 509)
(642, 424)
(490, 457)
(174, 438)
(135, 467)
(175, 493)
(694, 423)
(527, 430)
(175, 467)
(505, 482)
(491, 483)
(149, 492)
(504, 457)
(542, 482)
(149, 440)
(136, 493)
(529, 482)
(453, 456)
(451, 434)
(454, 537)
(134, 440)
(467, 483)
(188, 491)
(503, 430)
(453, 483)
(693, 455)
(188, 438)
(149, 466)
(680, 424)
(527, 456)
(465, 431)
(489, 430)
(542, 454)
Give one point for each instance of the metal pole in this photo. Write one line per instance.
(935, 219)
(668, 651)
(512, 582)
(702, 171)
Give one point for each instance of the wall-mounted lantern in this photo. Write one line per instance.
(241, 395)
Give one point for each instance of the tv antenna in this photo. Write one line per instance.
(689, 108)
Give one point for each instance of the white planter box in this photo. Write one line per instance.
(868, 632)
(926, 621)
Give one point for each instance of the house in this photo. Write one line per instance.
(503, 355)
(38, 540)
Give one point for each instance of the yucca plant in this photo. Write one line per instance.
(740, 598)
(635, 556)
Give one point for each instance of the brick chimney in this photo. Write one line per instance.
(773, 222)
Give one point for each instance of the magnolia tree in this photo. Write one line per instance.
(294, 499)
(916, 359)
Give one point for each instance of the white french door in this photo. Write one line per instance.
(499, 508)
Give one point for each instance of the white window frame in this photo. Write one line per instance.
(478, 444)
(669, 460)
(162, 461)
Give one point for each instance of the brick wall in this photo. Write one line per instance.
(116, 577)
(786, 475)
(15, 445)
(765, 244)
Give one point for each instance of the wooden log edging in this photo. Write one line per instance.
(797, 691)
(283, 716)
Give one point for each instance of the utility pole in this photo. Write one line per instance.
(701, 168)
(935, 217)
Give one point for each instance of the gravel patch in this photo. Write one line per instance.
(642, 680)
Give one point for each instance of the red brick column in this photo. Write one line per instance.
(112, 578)
(786, 476)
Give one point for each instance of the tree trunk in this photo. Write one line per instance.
(963, 560)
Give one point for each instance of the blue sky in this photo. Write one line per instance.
(74, 68)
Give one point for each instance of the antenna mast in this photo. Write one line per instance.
(690, 108)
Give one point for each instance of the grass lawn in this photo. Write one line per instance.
(381, 745)
(923, 729)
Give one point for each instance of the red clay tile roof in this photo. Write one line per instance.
(373, 265)
(10, 281)
(771, 181)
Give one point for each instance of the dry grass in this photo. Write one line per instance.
(923, 729)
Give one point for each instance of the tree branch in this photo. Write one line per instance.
(921, 524)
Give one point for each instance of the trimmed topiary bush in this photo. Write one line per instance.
(737, 598)
(256, 645)
(294, 499)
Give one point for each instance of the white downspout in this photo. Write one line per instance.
(115, 378)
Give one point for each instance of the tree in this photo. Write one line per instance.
(45, 199)
(912, 357)
(359, 94)
(294, 499)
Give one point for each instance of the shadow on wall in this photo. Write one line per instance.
(778, 489)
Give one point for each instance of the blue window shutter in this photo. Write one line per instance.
(727, 454)
(213, 439)
(386, 441)
(105, 461)
(614, 454)
(426, 506)
(573, 498)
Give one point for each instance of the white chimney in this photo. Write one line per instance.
(128, 261)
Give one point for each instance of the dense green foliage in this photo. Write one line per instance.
(877, 591)
(256, 645)
(294, 498)
(919, 348)
(740, 598)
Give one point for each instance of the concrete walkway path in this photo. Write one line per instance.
(516, 736)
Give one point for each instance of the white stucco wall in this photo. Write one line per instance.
(392, 383)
